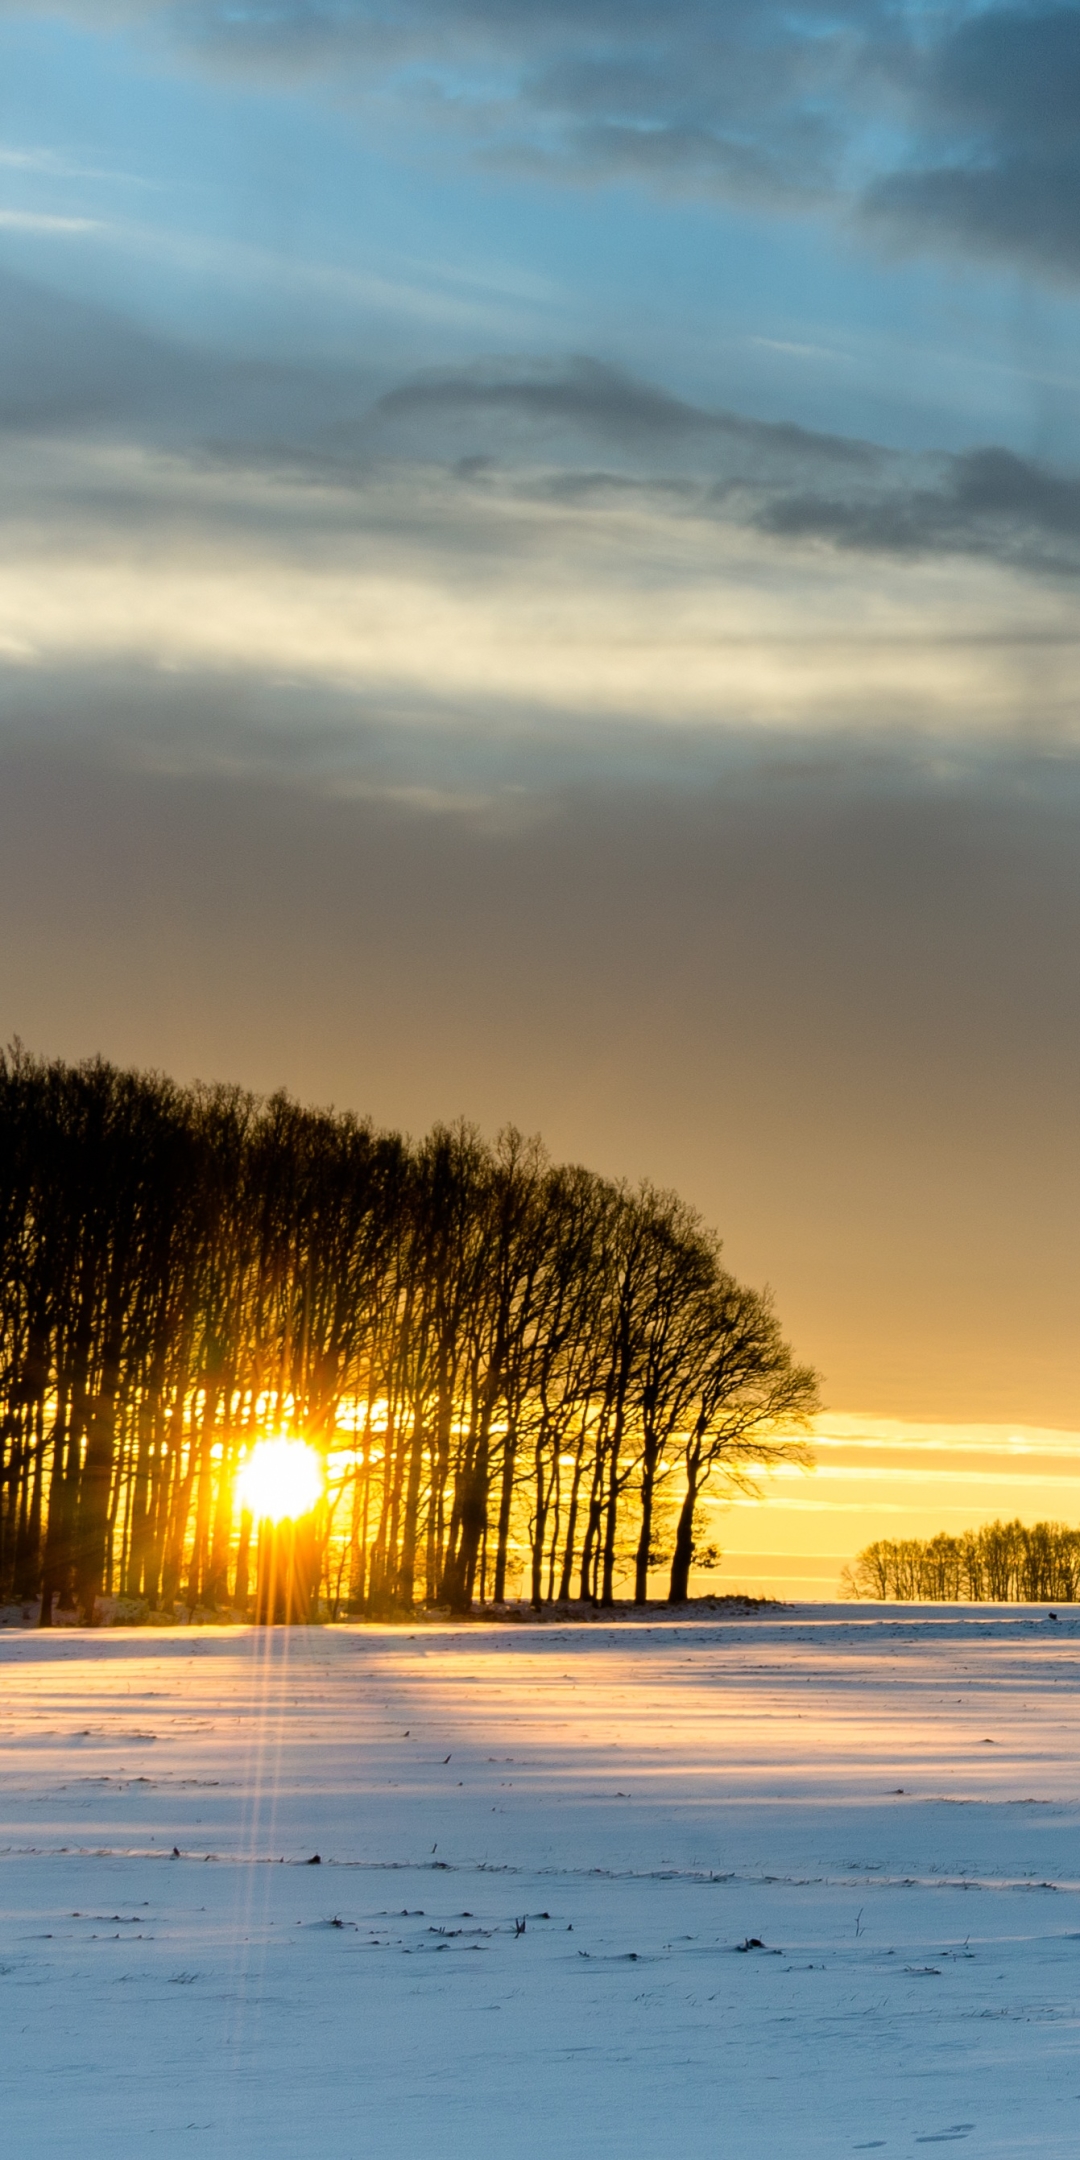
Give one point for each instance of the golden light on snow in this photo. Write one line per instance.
(280, 1480)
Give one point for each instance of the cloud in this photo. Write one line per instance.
(526, 538)
(740, 101)
(41, 221)
(988, 502)
(994, 161)
(784, 480)
(945, 126)
(411, 589)
(52, 166)
(601, 402)
(544, 543)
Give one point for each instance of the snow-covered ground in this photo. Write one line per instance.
(644, 1798)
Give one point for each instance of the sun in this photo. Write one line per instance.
(280, 1480)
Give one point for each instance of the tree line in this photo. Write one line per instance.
(1003, 1563)
(518, 1373)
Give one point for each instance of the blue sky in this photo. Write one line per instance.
(538, 579)
(316, 212)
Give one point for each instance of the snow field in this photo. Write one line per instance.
(647, 1798)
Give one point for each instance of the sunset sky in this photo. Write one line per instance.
(539, 557)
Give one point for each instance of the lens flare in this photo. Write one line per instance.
(280, 1480)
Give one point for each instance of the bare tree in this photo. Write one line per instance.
(503, 1362)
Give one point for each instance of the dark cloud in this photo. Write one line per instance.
(988, 502)
(599, 401)
(995, 160)
(576, 432)
(753, 100)
(1012, 74)
(945, 123)
(584, 392)
(739, 99)
(1025, 210)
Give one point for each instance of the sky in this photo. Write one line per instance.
(539, 555)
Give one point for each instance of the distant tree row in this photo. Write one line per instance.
(1003, 1563)
(516, 1371)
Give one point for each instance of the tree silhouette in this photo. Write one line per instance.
(1003, 1563)
(505, 1363)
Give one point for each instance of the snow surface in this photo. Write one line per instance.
(645, 1797)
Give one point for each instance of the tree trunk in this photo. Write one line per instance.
(591, 1542)
(641, 1561)
(505, 1502)
(470, 1509)
(96, 1491)
(217, 1585)
(566, 1580)
(542, 1503)
(679, 1588)
(56, 1528)
(199, 1569)
(611, 1524)
(243, 1563)
(139, 1518)
(407, 1571)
